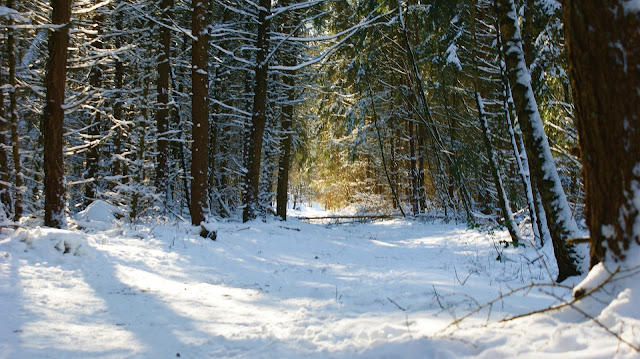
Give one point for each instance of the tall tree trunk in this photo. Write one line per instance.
(259, 117)
(117, 168)
(503, 201)
(422, 191)
(200, 111)
(13, 116)
(543, 170)
(54, 182)
(93, 127)
(287, 128)
(413, 169)
(519, 155)
(426, 118)
(604, 66)
(5, 185)
(162, 98)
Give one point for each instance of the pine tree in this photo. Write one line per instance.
(561, 223)
(54, 185)
(604, 61)
(199, 111)
(259, 115)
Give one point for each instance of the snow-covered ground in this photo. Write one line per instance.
(291, 290)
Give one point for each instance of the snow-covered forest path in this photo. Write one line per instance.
(279, 290)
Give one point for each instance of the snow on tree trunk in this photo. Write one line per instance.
(503, 201)
(287, 128)
(199, 112)
(94, 121)
(604, 66)
(5, 186)
(54, 182)
(543, 170)
(259, 116)
(162, 97)
(13, 117)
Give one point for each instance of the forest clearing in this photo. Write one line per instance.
(389, 289)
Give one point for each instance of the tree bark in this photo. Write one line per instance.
(604, 66)
(503, 201)
(54, 182)
(259, 117)
(200, 111)
(117, 168)
(162, 97)
(413, 169)
(13, 119)
(5, 186)
(561, 223)
(94, 123)
(287, 128)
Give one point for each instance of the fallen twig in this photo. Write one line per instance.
(396, 304)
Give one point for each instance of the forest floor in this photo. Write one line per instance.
(290, 290)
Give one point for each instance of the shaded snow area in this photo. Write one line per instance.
(294, 290)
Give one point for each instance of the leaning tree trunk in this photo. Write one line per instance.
(543, 170)
(503, 201)
(54, 183)
(604, 66)
(259, 119)
(200, 112)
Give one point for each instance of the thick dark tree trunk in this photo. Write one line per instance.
(604, 66)
(54, 182)
(162, 97)
(287, 127)
(259, 119)
(543, 171)
(200, 112)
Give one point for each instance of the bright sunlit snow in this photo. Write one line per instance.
(291, 290)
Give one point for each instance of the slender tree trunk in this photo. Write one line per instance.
(604, 66)
(13, 116)
(117, 169)
(422, 191)
(518, 155)
(259, 118)
(561, 223)
(93, 131)
(200, 111)
(54, 182)
(427, 118)
(5, 186)
(392, 184)
(162, 98)
(413, 168)
(215, 137)
(503, 201)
